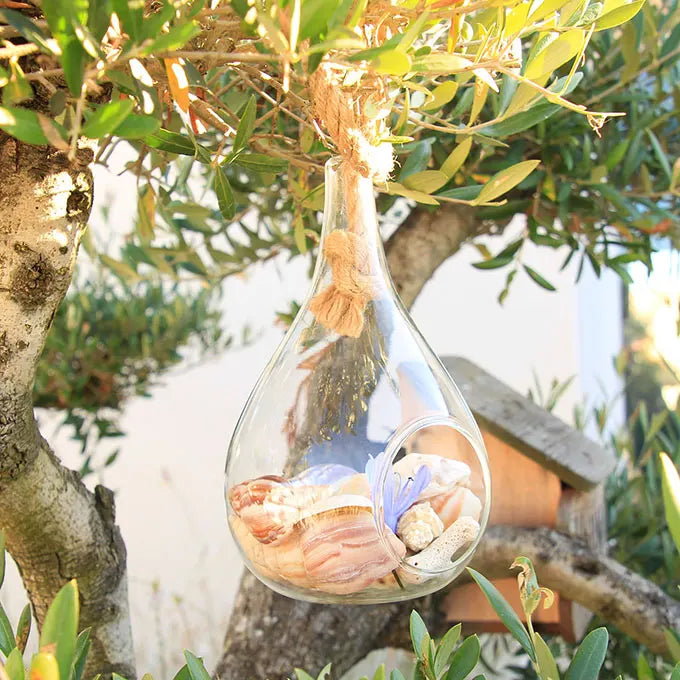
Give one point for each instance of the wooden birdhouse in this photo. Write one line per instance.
(544, 474)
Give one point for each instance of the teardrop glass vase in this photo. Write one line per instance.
(356, 472)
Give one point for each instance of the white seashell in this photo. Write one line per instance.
(437, 556)
(446, 473)
(458, 502)
(419, 526)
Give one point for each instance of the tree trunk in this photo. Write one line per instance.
(56, 529)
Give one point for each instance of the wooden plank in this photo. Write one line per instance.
(468, 603)
(530, 429)
(523, 493)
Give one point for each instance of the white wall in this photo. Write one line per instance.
(183, 568)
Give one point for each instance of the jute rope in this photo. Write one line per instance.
(354, 119)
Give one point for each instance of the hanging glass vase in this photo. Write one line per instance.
(356, 472)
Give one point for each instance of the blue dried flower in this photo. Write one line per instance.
(398, 496)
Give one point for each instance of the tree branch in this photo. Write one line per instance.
(426, 239)
(309, 636)
(620, 597)
(56, 529)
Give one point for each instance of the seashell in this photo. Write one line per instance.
(343, 552)
(458, 502)
(419, 526)
(437, 556)
(335, 548)
(269, 506)
(356, 485)
(446, 473)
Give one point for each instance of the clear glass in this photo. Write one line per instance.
(356, 472)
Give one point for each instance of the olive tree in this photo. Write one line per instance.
(560, 111)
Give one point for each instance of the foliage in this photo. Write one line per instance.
(109, 342)
(480, 95)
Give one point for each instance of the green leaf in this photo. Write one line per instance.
(260, 162)
(395, 188)
(175, 38)
(7, 641)
(44, 666)
(324, 673)
(494, 262)
(80, 654)
(418, 631)
(543, 283)
(172, 142)
(131, 16)
(245, 127)
(505, 612)
(675, 675)
(426, 181)
(465, 659)
(589, 657)
(505, 180)
(660, 154)
(396, 674)
(2, 556)
(380, 672)
(183, 673)
(14, 665)
(673, 644)
(225, 196)
(558, 52)
(545, 661)
(137, 126)
(314, 18)
(417, 159)
(644, 672)
(61, 626)
(32, 32)
(441, 62)
(392, 62)
(196, 668)
(441, 95)
(302, 675)
(670, 486)
(107, 118)
(457, 157)
(522, 121)
(445, 649)
(23, 628)
(619, 15)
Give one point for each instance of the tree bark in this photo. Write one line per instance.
(56, 529)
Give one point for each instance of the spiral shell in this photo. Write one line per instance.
(419, 526)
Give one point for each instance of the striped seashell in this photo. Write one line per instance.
(269, 506)
(335, 548)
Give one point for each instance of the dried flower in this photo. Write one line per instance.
(398, 496)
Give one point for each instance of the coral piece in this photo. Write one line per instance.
(438, 555)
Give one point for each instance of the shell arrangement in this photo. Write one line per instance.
(320, 531)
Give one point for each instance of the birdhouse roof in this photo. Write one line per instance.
(530, 429)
